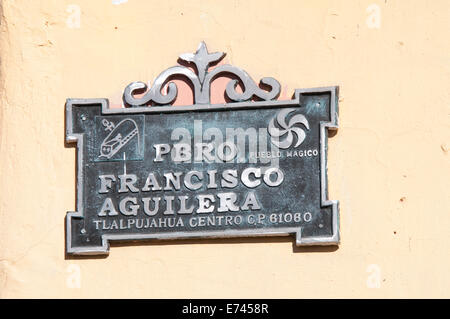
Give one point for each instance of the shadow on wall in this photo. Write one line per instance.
(209, 241)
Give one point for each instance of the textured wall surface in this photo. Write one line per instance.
(388, 163)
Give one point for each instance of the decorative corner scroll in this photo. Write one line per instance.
(268, 88)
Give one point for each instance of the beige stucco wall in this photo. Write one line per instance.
(388, 164)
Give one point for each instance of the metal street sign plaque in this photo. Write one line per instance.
(253, 166)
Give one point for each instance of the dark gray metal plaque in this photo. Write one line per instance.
(254, 166)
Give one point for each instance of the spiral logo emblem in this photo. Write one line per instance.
(283, 137)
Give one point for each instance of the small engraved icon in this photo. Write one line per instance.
(287, 129)
(119, 136)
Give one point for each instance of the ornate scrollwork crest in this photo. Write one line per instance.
(268, 88)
